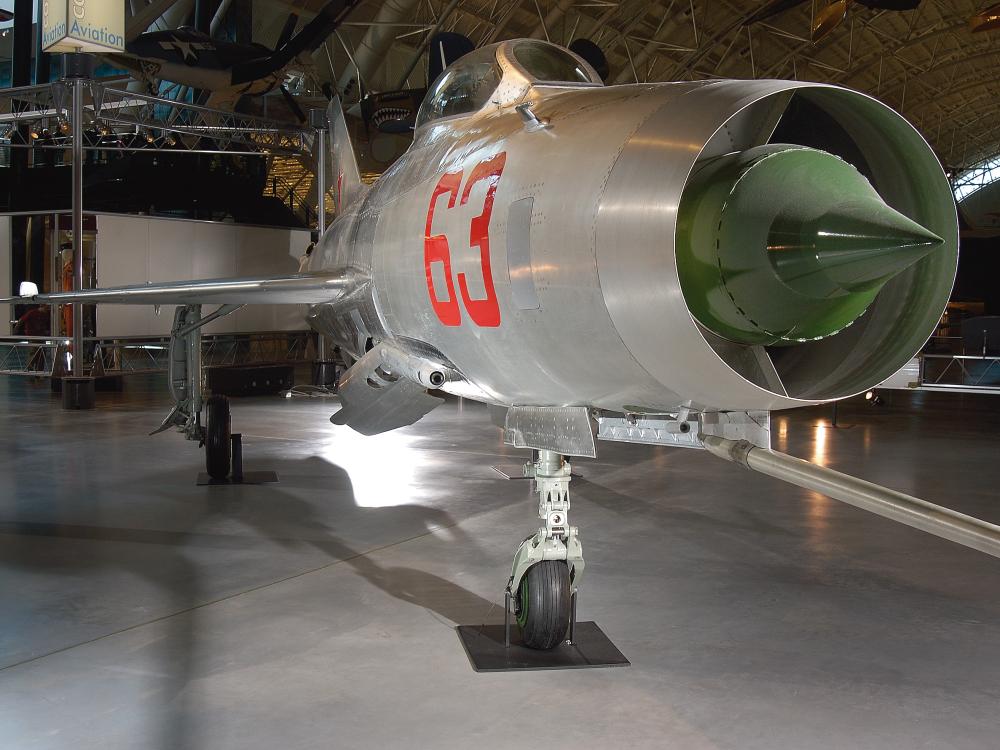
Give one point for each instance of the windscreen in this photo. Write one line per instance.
(463, 88)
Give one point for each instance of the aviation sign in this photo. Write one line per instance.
(83, 25)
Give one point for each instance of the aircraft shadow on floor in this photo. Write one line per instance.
(174, 560)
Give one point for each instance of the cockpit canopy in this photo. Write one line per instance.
(549, 63)
(502, 73)
(463, 87)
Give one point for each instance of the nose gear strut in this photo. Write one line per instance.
(548, 565)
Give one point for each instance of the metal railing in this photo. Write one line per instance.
(960, 372)
(292, 195)
(46, 356)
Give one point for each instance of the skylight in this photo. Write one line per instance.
(976, 178)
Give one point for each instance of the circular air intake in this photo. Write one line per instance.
(819, 260)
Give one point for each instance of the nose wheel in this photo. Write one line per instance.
(543, 605)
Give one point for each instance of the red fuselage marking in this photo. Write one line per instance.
(436, 251)
(484, 312)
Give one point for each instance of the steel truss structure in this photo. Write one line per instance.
(117, 119)
(82, 114)
(924, 63)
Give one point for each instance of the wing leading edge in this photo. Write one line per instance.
(308, 288)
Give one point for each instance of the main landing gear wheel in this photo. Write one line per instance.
(218, 446)
(543, 603)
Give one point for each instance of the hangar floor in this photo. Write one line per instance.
(140, 611)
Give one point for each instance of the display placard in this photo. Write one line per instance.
(83, 25)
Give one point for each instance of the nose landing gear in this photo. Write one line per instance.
(542, 592)
(549, 564)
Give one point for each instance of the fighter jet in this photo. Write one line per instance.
(193, 58)
(660, 263)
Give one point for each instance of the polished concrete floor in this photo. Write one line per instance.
(140, 611)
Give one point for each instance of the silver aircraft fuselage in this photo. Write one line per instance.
(530, 246)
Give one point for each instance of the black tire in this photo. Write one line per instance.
(543, 604)
(218, 446)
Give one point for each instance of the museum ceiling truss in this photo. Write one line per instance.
(926, 63)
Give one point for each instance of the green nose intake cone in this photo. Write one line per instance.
(856, 246)
(781, 244)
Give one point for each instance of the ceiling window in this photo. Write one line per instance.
(976, 178)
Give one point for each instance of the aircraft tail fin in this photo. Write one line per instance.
(343, 175)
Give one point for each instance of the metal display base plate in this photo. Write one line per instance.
(249, 477)
(590, 648)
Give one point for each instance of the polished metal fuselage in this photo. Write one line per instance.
(595, 316)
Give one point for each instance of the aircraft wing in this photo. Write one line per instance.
(299, 288)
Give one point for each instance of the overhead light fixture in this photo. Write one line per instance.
(828, 18)
(986, 20)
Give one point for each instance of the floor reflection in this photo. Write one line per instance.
(353, 508)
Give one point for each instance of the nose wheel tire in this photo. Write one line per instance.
(542, 605)
(218, 446)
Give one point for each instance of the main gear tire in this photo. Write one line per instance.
(543, 604)
(218, 445)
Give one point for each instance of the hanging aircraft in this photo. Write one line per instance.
(661, 263)
(193, 58)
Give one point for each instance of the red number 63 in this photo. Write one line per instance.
(486, 311)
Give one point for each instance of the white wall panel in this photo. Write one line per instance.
(123, 258)
(259, 252)
(140, 249)
(171, 250)
(215, 250)
(171, 258)
(214, 258)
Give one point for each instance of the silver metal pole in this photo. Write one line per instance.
(55, 276)
(897, 506)
(319, 121)
(77, 125)
(321, 180)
